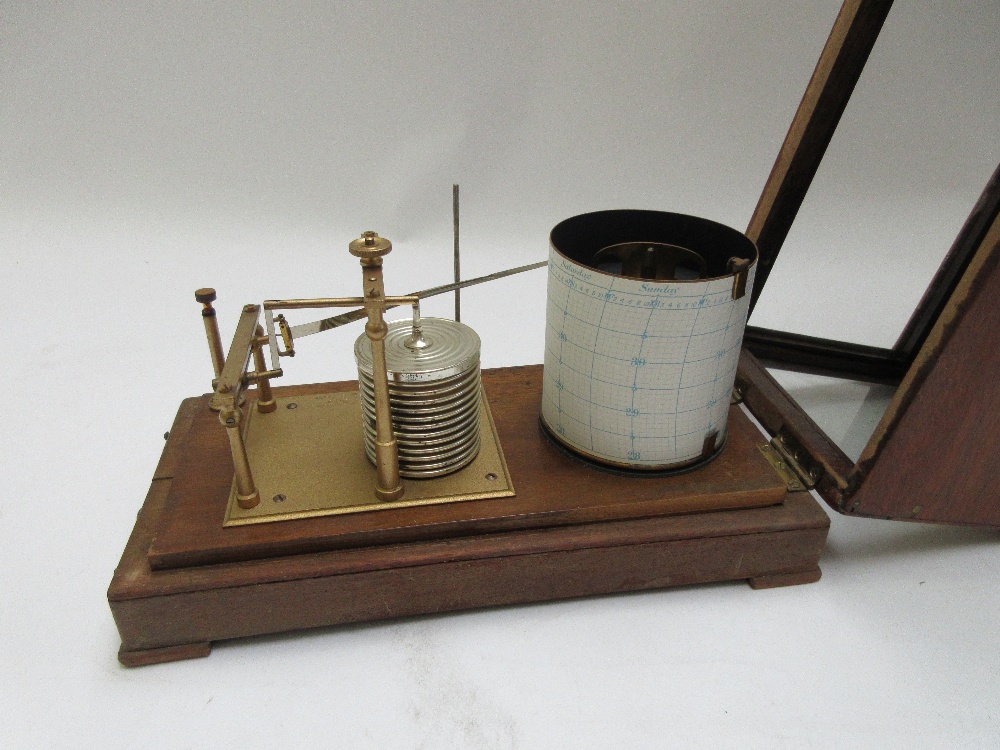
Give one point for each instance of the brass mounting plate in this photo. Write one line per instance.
(308, 459)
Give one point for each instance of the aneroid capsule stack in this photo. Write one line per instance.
(434, 391)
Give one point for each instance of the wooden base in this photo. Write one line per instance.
(170, 613)
(551, 488)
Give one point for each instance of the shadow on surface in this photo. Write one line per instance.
(873, 539)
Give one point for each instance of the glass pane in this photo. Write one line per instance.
(846, 410)
(911, 155)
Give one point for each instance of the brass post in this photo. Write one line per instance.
(265, 399)
(246, 492)
(207, 296)
(370, 248)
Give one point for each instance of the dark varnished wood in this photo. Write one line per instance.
(172, 614)
(779, 413)
(954, 265)
(552, 489)
(146, 657)
(832, 83)
(838, 359)
(936, 454)
(785, 579)
(177, 613)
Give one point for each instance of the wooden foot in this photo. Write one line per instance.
(145, 657)
(785, 579)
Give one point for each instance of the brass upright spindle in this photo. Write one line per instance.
(247, 494)
(206, 297)
(370, 248)
(265, 400)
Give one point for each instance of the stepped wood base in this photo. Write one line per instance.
(170, 613)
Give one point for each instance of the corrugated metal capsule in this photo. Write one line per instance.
(434, 393)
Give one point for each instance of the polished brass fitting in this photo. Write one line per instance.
(247, 494)
(370, 248)
(206, 296)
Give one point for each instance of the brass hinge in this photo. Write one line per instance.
(739, 391)
(791, 463)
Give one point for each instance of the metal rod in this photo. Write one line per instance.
(265, 399)
(370, 249)
(416, 340)
(318, 326)
(458, 269)
(206, 297)
(247, 494)
(272, 339)
(299, 304)
(436, 290)
(253, 377)
(231, 377)
(321, 302)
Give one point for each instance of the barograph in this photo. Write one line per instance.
(435, 482)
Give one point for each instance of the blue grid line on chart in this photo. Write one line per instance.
(715, 356)
(590, 381)
(618, 369)
(678, 400)
(621, 385)
(565, 311)
(623, 434)
(590, 402)
(654, 300)
(610, 288)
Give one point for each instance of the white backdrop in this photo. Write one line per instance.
(148, 149)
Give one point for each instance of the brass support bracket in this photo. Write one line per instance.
(286, 337)
(740, 267)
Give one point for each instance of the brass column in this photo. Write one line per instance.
(247, 494)
(206, 297)
(370, 248)
(265, 400)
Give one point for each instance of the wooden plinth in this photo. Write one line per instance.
(174, 606)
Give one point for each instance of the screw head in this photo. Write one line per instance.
(205, 295)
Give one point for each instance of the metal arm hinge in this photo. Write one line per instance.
(791, 462)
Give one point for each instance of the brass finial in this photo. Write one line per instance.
(370, 246)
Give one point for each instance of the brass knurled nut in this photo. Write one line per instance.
(205, 295)
(370, 246)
